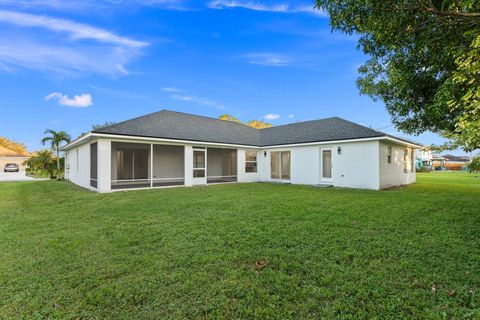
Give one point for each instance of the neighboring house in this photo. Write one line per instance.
(450, 162)
(9, 156)
(169, 148)
(424, 158)
(438, 162)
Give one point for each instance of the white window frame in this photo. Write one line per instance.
(250, 161)
(204, 169)
(412, 160)
(280, 164)
(389, 154)
(405, 160)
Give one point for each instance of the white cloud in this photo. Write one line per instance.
(78, 101)
(271, 116)
(170, 89)
(291, 116)
(267, 59)
(260, 6)
(73, 29)
(85, 6)
(177, 94)
(63, 46)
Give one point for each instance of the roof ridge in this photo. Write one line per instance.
(121, 122)
(210, 118)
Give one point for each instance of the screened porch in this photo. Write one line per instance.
(137, 165)
(141, 165)
(221, 165)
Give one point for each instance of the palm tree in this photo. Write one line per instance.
(42, 160)
(56, 138)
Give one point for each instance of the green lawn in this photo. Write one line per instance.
(410, 252)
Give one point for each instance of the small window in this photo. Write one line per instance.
(251, 161)
(405, 160)
(389, 154)
(412, 161)
(93, 164)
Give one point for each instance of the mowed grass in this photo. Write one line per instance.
(261, 251)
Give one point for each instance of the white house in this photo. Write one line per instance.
(169, 148)
(425, 157)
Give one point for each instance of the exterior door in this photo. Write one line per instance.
(199, 166)
(326, 165)
(280, 165)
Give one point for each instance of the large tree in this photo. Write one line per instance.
(424, 61)
(56, 139)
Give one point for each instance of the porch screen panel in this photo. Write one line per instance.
(221, 165)
(124, 164)
(140, 163)
(93, 164)
(168, 165)
(130, 165)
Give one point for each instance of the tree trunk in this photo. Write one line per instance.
(58, 164)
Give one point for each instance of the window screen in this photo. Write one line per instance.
(93, 164)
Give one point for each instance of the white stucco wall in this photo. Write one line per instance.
(392, 174)
(104, 152)
(243, 176)
(78, 162)
(355, 167)
(360, 164)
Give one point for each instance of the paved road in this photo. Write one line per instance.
(15, 176)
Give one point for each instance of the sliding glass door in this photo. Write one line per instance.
(280, 165)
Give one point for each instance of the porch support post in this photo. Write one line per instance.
(188, 165)
(104, 158)
(151, 165)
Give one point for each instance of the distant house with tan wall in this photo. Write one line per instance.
(450, 162)
(9, 156)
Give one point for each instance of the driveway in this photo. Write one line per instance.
(15, 176)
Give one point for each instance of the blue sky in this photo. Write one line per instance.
(67, 65)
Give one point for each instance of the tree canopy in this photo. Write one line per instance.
(474, 166)
(257, 124)
(424, 62)
(228, 117)
(14, 146)
(101, 126)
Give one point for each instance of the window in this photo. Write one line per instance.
(250, 161)
(412, 160)
(93, 164)
(389, 154)
(199, 163)
(405, 160)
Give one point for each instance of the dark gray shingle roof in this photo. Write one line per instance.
(182, 126)
(317, 130)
